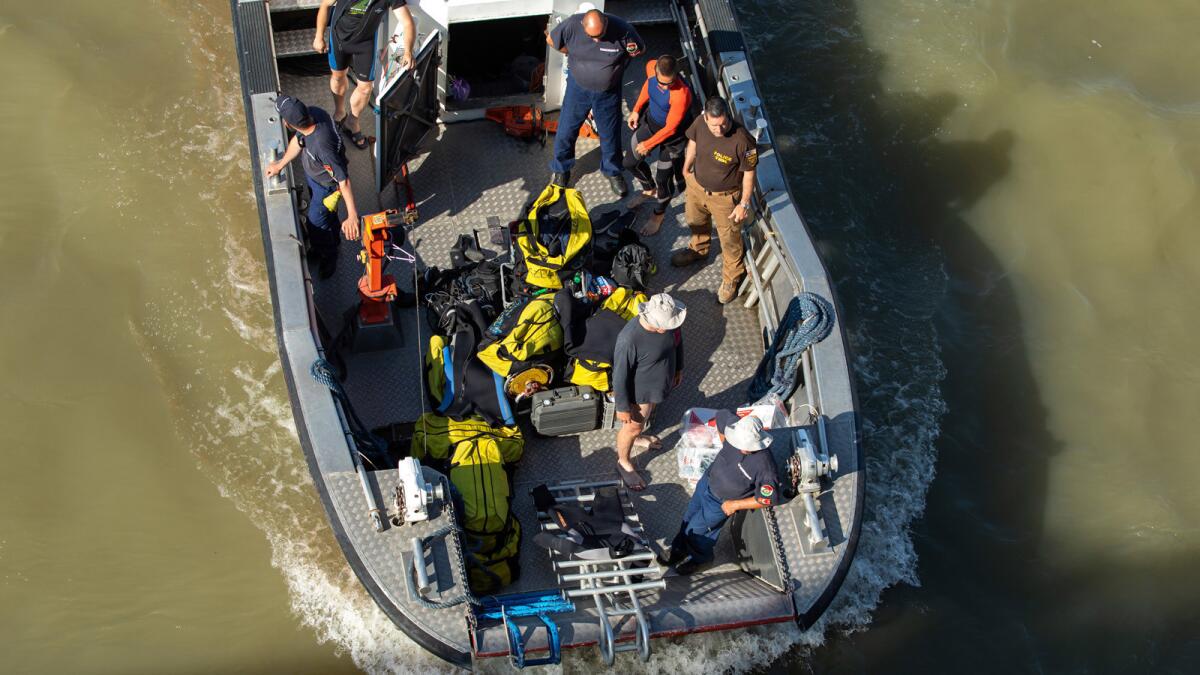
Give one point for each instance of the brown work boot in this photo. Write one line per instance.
(727, 292)
(686, 256)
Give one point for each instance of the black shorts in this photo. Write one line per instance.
(359, 57)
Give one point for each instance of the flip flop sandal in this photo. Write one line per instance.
(647, 442)
(631, 479)
(357, 139)
(640, 197)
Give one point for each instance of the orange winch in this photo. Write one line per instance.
(374, 325)
(377, 289)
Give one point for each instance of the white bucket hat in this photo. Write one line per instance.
(747, 434)
(663, 312)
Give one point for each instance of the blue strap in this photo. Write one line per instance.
(505, 409)
(448, 369)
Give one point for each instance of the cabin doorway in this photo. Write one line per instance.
(496, 62)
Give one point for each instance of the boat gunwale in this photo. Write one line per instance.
(426, 639)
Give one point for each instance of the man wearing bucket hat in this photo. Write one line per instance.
(647, 364)
(740, 478)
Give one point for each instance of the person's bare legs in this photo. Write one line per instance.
(629, 432)
(358, 103)
(337, 85)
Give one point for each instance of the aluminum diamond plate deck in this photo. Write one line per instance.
(294, 42)
(474, 171)
(383, 553)
(290, 5)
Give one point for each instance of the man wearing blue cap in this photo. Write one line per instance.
(327, 172)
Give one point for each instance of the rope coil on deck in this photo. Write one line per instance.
(808, 320)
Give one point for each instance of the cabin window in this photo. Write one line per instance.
(501, 61)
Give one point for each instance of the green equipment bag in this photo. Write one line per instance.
(487, 573)
(478, 457)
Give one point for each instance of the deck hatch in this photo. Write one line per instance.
(408, 112)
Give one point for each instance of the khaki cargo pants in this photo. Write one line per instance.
(701, 209)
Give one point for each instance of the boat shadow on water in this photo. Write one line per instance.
(932, 317)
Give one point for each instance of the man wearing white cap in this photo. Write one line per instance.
(740, 478)
(647, 364)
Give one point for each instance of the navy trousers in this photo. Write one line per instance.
(606, 109)
(702, 523)
(323, 224)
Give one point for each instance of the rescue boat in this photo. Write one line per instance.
(440, 166)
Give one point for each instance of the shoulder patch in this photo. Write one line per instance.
(765, 491)
(752, 156)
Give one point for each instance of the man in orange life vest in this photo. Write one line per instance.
(666, 102)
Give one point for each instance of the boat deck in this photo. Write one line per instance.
(477, 171)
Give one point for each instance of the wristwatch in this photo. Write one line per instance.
(745, 205)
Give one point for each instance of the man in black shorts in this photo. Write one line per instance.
(647, 365)
(351, 44)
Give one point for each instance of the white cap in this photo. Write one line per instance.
(747, 434)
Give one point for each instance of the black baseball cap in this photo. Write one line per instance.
(293, 111)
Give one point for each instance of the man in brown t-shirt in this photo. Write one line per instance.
(719, 169)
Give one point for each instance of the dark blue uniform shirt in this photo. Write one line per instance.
(323, 152)
(596, 65)
(737, 475)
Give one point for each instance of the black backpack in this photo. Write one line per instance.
(633, 266)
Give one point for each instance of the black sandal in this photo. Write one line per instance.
(357, 139)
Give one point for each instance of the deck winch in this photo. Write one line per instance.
(806, 467)
(375, 326)
(414, 495)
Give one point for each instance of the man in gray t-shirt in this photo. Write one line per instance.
(647, 364)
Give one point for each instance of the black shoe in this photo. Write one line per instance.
(560, 178)
(326, 268)
(671, 559)
(687, 568)
(618, 185)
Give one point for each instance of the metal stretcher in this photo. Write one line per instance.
(612, 583)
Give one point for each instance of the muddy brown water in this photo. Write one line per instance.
(1007, 196)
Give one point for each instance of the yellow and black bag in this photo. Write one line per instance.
(479, 457)
(591, 364)
(537, 332)
(489, 572)
(625, 302)
(552, 236)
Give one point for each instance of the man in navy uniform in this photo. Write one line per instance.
(327, 173)
(599, 47)
(740, 478)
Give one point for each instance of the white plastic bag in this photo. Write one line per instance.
(699, 442)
